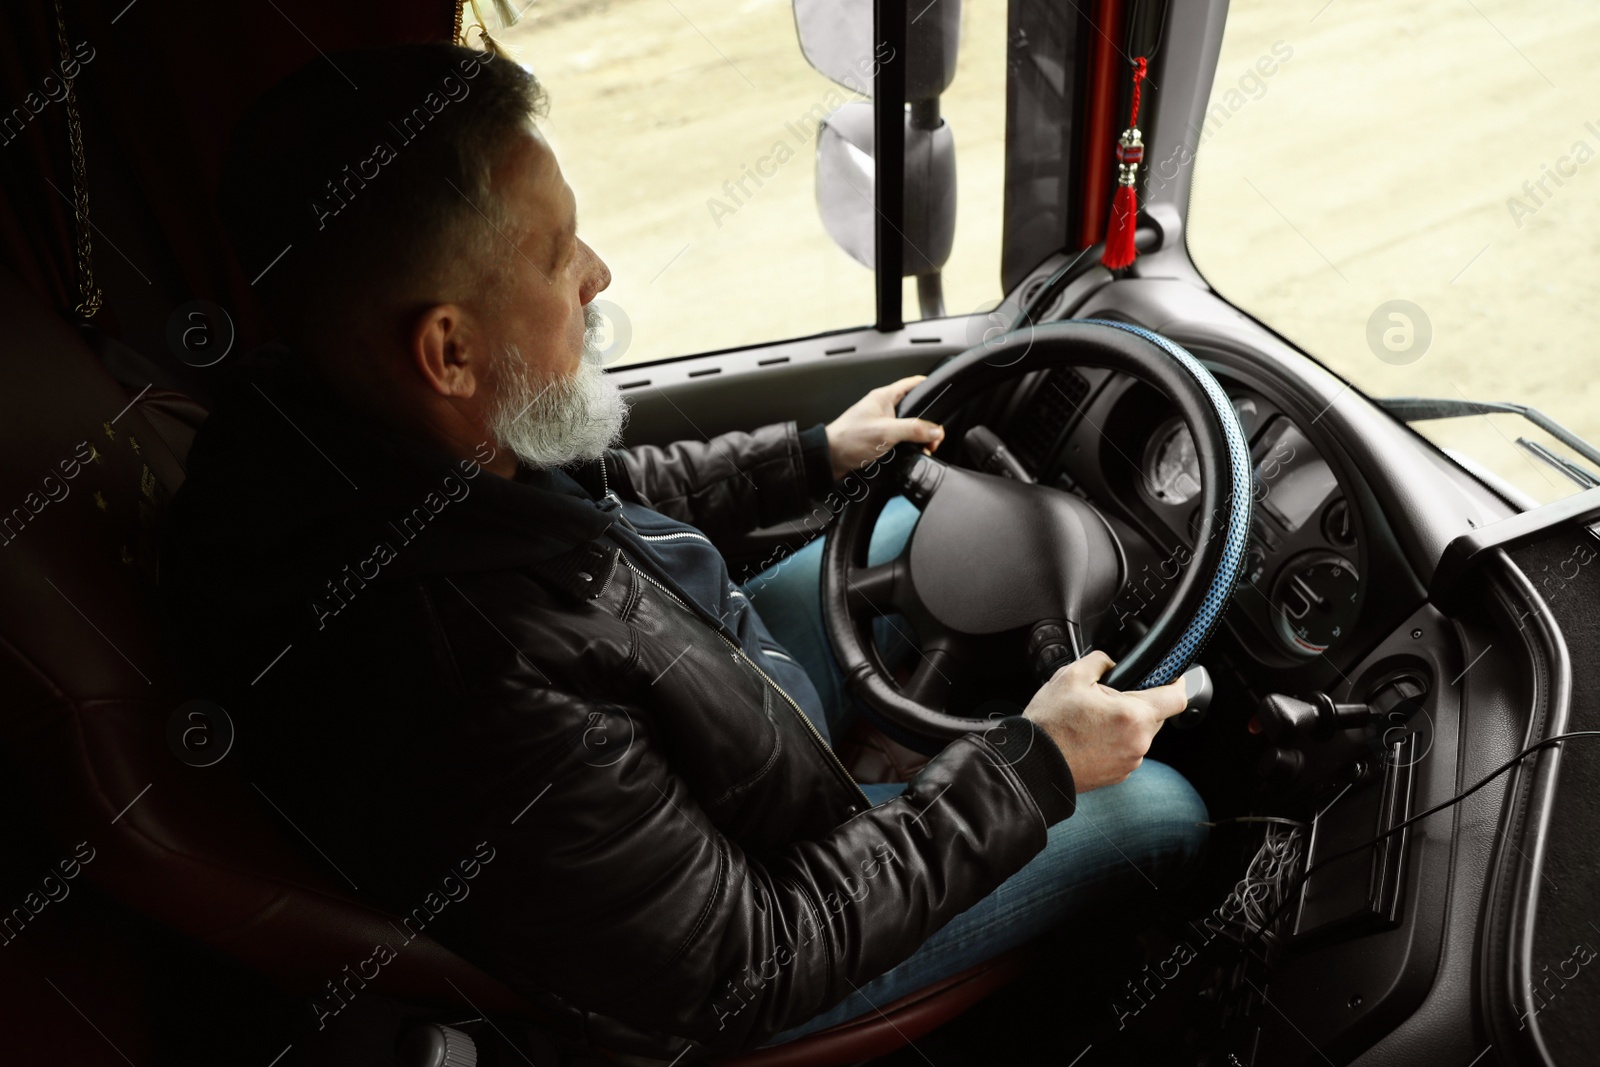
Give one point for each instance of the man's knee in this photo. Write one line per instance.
(1165, 820)
(893, 528)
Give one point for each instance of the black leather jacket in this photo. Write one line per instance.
(430, 665)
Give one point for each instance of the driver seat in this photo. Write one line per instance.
(87, 692)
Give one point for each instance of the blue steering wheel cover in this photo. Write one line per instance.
(1238, 502)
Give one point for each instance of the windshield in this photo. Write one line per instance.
(1409, 192)
(687, 130)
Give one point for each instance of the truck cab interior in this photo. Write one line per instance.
(1402, 643)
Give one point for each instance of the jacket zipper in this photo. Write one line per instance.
(674, 536)
(799, 714)
(607, 494)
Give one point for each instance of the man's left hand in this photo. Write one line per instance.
(868, 428)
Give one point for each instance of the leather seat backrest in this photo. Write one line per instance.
(86, 689)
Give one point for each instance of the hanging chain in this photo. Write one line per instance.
(490, 45)
(90, 296)
(455, 34)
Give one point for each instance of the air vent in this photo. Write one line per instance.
(1031, 289)
(1035, 431)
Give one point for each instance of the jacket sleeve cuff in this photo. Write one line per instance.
(1038, 763)
(818, 461)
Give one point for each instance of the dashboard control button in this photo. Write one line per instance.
(1338, 526)
(1051, 643)
(1255, 563)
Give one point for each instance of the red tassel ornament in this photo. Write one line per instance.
(1120, 250)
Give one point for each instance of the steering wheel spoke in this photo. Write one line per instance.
(935, 674)
(881, 589)
(940, 666)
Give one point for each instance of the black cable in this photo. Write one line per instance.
(1057, 282)
(1458, 798)
(1297, 823)
(1137, 23)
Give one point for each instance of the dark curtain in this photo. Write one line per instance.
(162, 84)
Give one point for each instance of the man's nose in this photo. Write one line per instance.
(596, 275)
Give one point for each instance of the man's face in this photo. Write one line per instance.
(551, 274)
(552, 404)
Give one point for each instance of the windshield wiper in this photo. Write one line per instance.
(1583, 476)
(1423, 408)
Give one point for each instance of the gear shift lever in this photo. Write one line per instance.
(1198, 691)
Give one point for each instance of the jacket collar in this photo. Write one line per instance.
(286, 477)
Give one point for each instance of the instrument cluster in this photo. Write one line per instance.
(1301, 589)
(1301, 584)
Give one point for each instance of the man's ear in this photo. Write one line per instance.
(445, 349)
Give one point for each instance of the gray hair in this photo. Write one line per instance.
(568, 419)
(362, 182)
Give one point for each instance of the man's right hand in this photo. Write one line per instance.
(1103, 732)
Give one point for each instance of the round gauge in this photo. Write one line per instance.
(1171, 467)
(1314, 601)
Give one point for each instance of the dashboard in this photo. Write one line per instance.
(1385, 960)
(1121, 444)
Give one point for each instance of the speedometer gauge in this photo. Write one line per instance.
(1171, 467)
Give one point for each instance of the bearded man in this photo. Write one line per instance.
(493, 666)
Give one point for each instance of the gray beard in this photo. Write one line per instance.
(567, 420)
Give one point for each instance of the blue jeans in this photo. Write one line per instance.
(788, 597)
(1145, 830)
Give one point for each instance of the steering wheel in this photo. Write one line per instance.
(991, 554)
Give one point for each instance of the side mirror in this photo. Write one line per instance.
(836, 39)
(845, 176)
